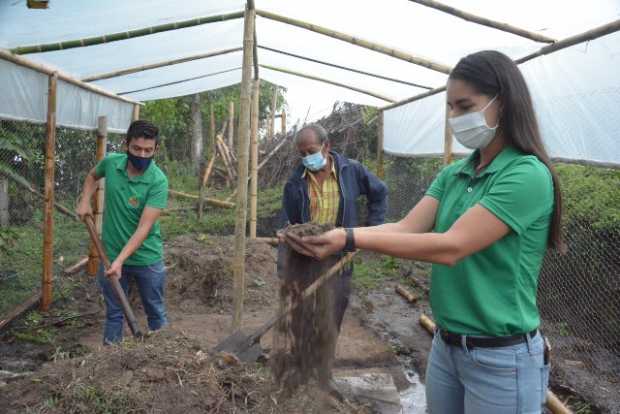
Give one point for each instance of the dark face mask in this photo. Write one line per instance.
(139, 163)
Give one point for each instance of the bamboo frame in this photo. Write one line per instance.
(163, 63)
(559, 45)
(114, 37)
(347, 68)
(254, 157)
(231, 124)
(470, 17)
(398, 54)
(242, 182)
(102, 139)
(272, 115)
(342, 85)
(48, 215)
(46, 70)
(380, 159)
(212, 201)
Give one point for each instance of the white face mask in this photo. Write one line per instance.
(471, 129)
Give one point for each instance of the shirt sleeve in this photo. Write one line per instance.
(101, 167)
(521, 195)
(438, 185)
(158, 195)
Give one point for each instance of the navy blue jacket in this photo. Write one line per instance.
(354, 180)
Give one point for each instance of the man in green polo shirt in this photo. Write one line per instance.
(136, 191)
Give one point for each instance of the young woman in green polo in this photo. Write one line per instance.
(136, 191)
(485, 224)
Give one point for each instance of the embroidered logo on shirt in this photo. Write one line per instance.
(133, 201)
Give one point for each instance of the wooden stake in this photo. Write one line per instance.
(380, 165)
(504, 27)
(398, 54)
(272, 121)
(242, 180)
(347, 68)
(164, 63)
(212, 130)
(447, 141)
(254, 157)
(283, 123)
(114, 37)
(231, 124)
(98, 201)
(48, 215)
(342, 85)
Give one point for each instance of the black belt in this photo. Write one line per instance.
(491, 342)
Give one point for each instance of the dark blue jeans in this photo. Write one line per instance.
(151, 281)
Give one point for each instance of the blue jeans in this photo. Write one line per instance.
(151, 282)
(511, 379)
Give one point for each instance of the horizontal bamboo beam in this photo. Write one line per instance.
(211, 201)
(470, 17)
(161, 85)
(398, 54)
(342, 85)
(272, 241)
(46, 70)
(77, 266)
(114, 37)
(19, 309)
(573, 40)
(163, 63)
(562, 44)
(333, 65)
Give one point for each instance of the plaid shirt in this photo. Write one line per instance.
(325, 199)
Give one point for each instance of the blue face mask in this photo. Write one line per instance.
(139, 163)
(315, 162)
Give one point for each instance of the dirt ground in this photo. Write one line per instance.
(174, 372)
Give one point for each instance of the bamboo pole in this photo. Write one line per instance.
(102, 138)
(83, 262)
(212, 129)
(272, 120)
(211, 201)
(272, 153)
(283, 123)
(342, 85)
(48, 215)
(242, 182)
(161, 64)
(272, 241)
(41, 68)
(19, 309)
(226, 157)
(254, 157)
(136, 113)
(203, 185)
(347, 68)
(405, 293)
(161, 85)
(231, 124)
(398, 54)
(504, 27)
(559, 45)
(447, 141)
(28, 187)
(380, 160)
(114, 37)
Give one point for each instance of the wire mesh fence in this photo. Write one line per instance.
(579, 292)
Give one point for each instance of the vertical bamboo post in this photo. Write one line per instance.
(212, 130)
(48, 215)
(242, 177)
(272, 122)
(231, 124)
(380, 166)
(102, 139)
(254, 157)
(283, 123)
(447, 141)
(136, 112)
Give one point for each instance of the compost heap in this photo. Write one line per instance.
(304, 342)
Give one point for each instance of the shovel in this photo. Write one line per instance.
(116, 286)
(247, 347)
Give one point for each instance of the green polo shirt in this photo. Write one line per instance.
(493, 292)
(125, 199)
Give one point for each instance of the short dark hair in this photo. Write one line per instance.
(144, 129)
(318, 130)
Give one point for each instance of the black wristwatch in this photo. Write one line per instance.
(349, 245)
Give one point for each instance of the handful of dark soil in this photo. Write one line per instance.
(304, 343)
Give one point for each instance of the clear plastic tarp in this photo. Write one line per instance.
(399, 24)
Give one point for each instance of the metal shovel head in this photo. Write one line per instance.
(244, 346)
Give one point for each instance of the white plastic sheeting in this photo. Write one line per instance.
(23, 97)
(576, 96)
(401, 24)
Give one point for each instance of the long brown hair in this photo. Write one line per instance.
(492, 73)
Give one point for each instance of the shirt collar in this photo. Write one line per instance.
(502, 159)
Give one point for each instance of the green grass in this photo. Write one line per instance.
(371, 271)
